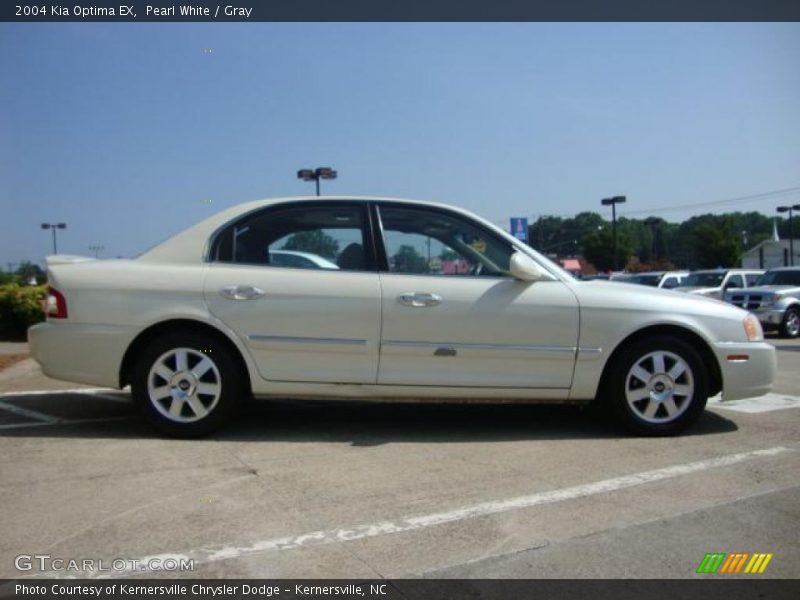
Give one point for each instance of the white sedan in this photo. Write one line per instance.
(426, 302)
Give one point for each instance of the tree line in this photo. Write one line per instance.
(701, 242)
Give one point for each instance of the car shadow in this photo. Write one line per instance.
(361, 424)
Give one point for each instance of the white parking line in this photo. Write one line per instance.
(41, 419)
(766, 403)
(59, 422)
(63, 391)
(95, 390)
(412, 523)
(27, 413)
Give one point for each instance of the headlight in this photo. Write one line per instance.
(752, 329)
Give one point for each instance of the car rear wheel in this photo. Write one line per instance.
(657, 386)
(186, 384)
(790, 328)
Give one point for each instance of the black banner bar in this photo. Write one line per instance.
(399, 10)
(731, 588)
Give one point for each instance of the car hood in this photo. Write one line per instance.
(624, 308)
(632, 296)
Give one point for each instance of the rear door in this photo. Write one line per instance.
(319, 322)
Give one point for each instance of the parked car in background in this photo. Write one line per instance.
(713, 283)
(775, 300)
(301, 260)
(660, 279)
(596, 277)
(206, 319)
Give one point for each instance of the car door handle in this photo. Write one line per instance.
(419, 300)
(241, 292)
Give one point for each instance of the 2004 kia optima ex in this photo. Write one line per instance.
(405, 300)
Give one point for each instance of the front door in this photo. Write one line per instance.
(453, 315)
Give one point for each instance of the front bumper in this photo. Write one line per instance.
(746, 377)
(79, 352)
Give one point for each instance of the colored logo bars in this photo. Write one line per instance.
(719, 562)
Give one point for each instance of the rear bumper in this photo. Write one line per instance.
(746, 377)
(79, 352)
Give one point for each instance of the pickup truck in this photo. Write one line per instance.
(775, 300)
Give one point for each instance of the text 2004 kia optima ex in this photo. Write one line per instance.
(383, 299)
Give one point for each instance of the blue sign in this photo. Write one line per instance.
(519, 228)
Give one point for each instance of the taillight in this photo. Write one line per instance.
(55, 304)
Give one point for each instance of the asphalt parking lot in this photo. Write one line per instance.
(296, 489)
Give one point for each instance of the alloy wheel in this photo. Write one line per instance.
(792, 324)
(659, 387)
(184, 385)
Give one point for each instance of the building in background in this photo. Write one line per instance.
(771, 254)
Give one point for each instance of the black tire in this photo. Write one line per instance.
(212, 382)
(667, 404)
(790, 326)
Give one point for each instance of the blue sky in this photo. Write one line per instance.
(131, 132)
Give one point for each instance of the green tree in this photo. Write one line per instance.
(28, 270)
(598, 248)
(408, 260)
(315, 241)
(545, 232)
(717, 244)
(448, 254)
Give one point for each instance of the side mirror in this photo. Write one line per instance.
(524, 268)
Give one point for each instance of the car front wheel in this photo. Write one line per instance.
(790, 327)
(658, 386)
(186, 384)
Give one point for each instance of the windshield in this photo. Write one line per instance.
(779, 278)
(703, 280)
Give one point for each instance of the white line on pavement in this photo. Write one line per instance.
(28, 413)
(766, 403)
(213, 554)
(66, 391)
(59, 422)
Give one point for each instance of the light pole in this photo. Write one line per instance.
(316, 174)
(54, 226)
(97, 250)
(789, 209)
(613, 201)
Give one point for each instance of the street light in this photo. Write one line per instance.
(789, 209)
(316, 174)
(54, 226)
(97, 250)
(613, 202)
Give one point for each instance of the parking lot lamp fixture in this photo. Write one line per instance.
(613, 201)
(54, 226)
(316, 174)
(789, 209)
